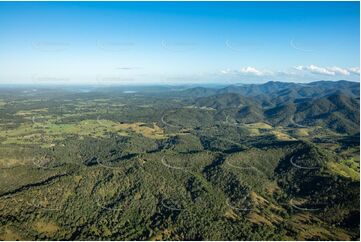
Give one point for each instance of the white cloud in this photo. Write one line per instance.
(298, 73)
(316, 70)
(249, 70)
(339, 70)
(329, 71)
(252, 71)
(354, 70)
(227, 71)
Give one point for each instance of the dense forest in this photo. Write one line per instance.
(273, 161)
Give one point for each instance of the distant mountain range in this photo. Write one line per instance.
(335, 105)
(275, 89)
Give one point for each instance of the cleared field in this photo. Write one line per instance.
(347, 168)
(281, 135)
(2, 103)
(154, 132)
(259, 125)
(45, 133)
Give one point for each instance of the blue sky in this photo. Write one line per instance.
(178, 42)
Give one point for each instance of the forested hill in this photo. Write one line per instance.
(331, 104)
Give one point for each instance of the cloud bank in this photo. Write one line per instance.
(329, 71)
(296, 74)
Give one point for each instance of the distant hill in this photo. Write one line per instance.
(225, 100)
(257, 89)
(334, 105)
(276, 92)
(198, 92)
(338, 112)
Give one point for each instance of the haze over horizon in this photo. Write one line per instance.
(178, 42)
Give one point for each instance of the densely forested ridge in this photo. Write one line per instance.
(336, 107)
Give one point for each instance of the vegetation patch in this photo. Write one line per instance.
(347, 168)
(46, 227)
(153, 131)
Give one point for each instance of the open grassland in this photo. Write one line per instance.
(45, 133)
(152, 131)
(347, 168)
